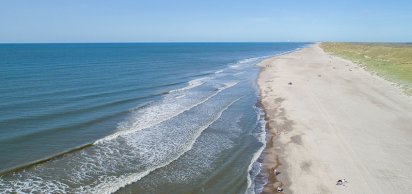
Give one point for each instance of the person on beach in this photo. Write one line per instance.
(279, 189)
(341, 182)
(276, 172)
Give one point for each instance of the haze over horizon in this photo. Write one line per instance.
(50, 21)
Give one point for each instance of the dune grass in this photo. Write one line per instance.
(391, 61)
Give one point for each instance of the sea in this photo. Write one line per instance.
(132, 117)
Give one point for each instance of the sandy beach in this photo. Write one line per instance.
(329, 119)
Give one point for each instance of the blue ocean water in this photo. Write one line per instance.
(131, 117)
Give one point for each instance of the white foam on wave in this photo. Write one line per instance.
(191, 84)
(181, 96)
(261, 136)
(219, 71)
(246, 62)
(235, 66)
(157, 114)
(112, 184)
(33, 185)
(104, 160)
(240, 73)
(249, 60)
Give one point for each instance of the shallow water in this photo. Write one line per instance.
(160, 117)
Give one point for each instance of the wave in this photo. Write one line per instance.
(59, 129)
(181, 96)
(40, 161)
(153, 119)
(244, 63)
(71, 111)
(191, 84)
(122, 181)
(219, 71)
(261, 136)
(112, 157)
(72, 94)
(124, 126)
(241, 64)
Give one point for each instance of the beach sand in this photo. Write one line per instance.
(334, 121)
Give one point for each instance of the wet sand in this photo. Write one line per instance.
(329, 119)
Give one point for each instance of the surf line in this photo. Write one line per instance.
(115, 135)
(40, 161)
(131, 178)
(107, 138)
(262, 139)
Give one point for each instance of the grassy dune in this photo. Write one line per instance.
(391, 61)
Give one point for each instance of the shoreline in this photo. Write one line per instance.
(270, 159)
(319, 127)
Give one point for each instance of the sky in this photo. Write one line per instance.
(48, 21)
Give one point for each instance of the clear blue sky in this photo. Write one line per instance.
(204, 20)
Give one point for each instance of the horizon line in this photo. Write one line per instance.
(162, 42)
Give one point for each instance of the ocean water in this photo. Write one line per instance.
(132, 117)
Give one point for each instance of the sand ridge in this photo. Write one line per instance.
(329, 119)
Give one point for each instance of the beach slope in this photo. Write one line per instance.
(329, 119)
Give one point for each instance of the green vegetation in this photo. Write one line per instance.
(391, 61)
